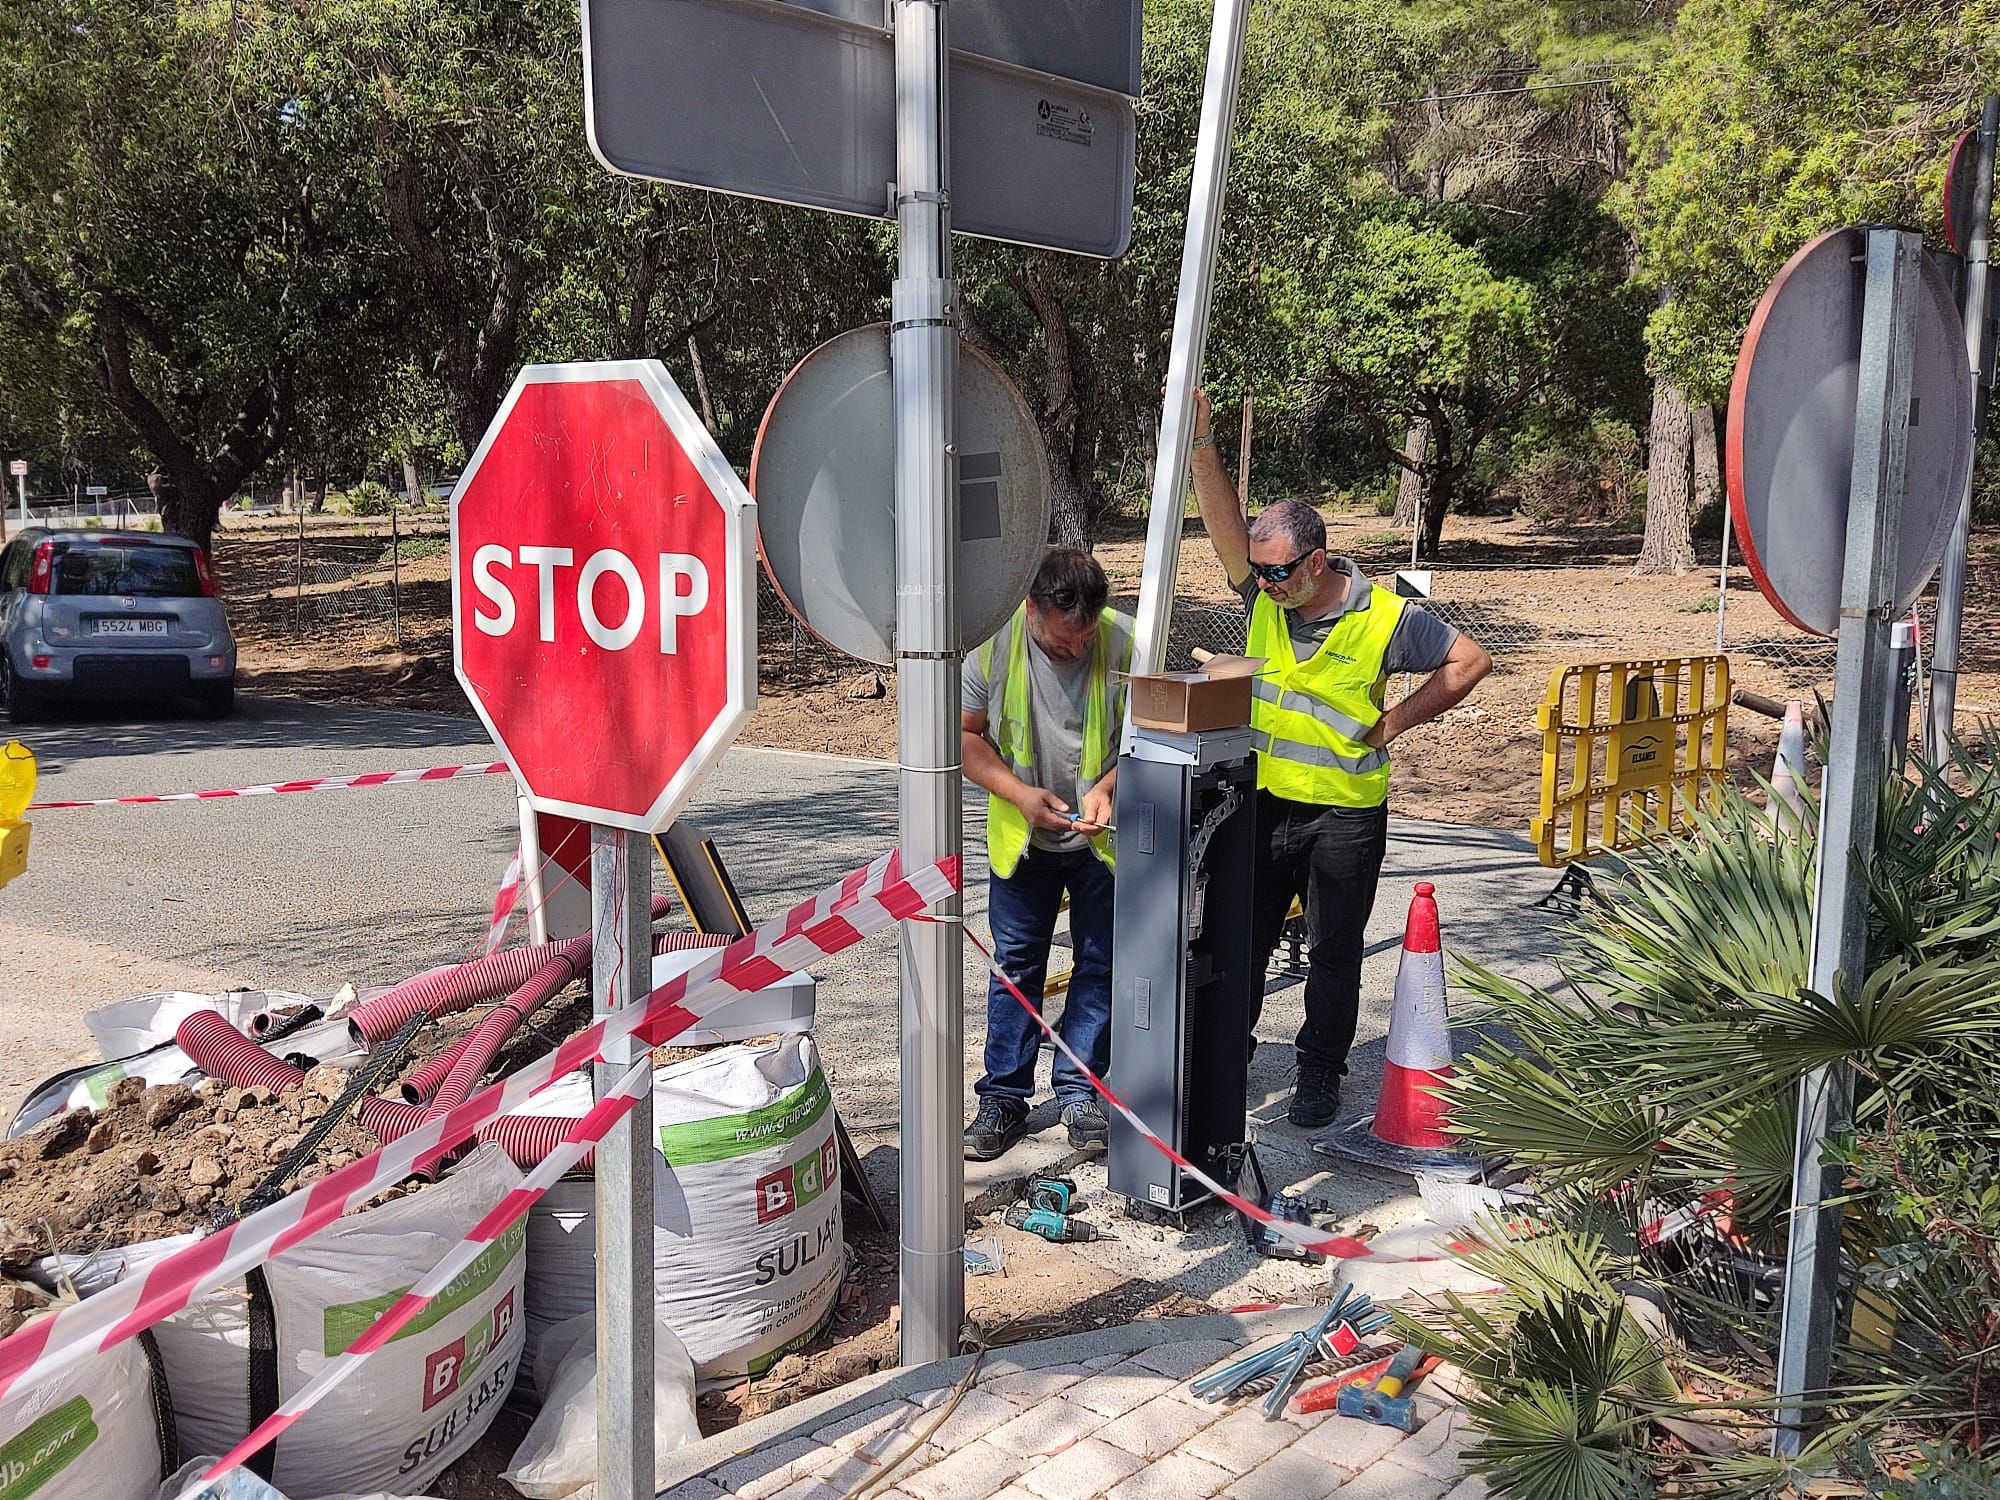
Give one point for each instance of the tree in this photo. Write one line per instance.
(174, 252)
(1437, 317)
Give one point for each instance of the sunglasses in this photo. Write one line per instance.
(1279, 572)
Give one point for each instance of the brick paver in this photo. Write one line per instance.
(1113, 1427)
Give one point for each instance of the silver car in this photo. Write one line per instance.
(108, 616)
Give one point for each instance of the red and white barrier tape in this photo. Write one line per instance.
(591, 1128)
(867, 900)
(1338, 1247)
(315, 784)
(504, 900)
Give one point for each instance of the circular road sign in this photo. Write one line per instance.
(1791, 431)
(603, 603)
(1960, 173)
(824, 476)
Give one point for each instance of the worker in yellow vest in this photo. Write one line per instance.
(1044, 704)
(1330, 640)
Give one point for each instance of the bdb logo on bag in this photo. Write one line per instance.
(797, 1184)
(448, 1368)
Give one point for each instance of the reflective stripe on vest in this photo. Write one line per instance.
(1007, 831)
(1312, 716)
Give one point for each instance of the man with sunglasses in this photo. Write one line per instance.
(1330, 640)
(1044, 705)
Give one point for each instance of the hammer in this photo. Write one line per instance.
(1384, 1402)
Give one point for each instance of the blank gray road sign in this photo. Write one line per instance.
(796, 105)
(1086, 41)
(825, 480)
(1791, 431)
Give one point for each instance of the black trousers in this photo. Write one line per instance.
(1331, 859)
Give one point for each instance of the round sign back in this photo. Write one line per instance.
(1791, 431)
(824, 476)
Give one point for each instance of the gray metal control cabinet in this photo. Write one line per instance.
(1181, 960)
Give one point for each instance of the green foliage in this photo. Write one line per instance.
(1770, 121)
(370, 499)
(1596, 474)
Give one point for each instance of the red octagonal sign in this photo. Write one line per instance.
(603, 605)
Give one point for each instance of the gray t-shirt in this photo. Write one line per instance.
(1420, 644)
(1058, 694)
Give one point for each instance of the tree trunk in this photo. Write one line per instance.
(1707, 469)
(413, 489)
(1440, 483)
(1669, 544)
(701, 384)
(1408, 486)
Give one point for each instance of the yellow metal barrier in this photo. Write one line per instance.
(1628, 748)
(17, 790)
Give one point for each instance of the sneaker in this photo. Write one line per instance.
(994, 1131)
(1315, 1098)
(1089, 1130)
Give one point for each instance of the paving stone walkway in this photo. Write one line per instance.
(1097, 1416)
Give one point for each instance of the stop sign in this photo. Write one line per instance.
(603, 604)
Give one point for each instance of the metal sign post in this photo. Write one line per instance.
(923, 354)
(1974, 307)
(1190, 335)
(1851, 793)
(621, 876)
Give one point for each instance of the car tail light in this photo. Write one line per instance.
(209, 587)
(43, 570)
(41, 663)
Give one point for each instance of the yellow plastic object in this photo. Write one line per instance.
(1629, 749)
(17, 790)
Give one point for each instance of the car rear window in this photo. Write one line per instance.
(141, 571)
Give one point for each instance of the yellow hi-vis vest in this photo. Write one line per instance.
(1013, 733)
(1311, 716)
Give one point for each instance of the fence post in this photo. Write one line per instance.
(396, 570)
(299, 577)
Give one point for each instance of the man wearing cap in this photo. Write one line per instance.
(1044, 704)
(1330, 640)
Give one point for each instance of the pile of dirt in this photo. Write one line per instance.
(158, 1161)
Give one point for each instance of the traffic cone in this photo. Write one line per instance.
(1406, 1131)
(1408, 1111)
(1790, 768)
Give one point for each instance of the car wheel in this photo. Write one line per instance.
(23, 702)
(217, 700)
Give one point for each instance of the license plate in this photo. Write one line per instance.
(131, 627)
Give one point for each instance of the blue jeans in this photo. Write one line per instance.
(1022, 913)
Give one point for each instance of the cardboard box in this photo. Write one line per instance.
(1216, 696)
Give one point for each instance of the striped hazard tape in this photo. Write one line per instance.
(867, 900)
(280, 788)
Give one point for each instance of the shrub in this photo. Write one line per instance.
(369, 499)
(1597, 476)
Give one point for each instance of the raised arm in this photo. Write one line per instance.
(1221, 509)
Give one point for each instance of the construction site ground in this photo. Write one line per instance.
(311, 892)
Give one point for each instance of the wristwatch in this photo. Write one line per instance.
(1206, 440)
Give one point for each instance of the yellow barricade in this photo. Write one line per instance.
(1628, 748)
(17, 790)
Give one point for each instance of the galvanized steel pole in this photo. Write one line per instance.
(1190, 336)
(923, 357)
(1851, 791)
(1975, 308)
(621, 878)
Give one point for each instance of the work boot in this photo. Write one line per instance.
(1315, 1098)
(1088, 1129)
(994, 1131)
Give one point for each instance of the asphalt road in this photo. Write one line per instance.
(311, 891)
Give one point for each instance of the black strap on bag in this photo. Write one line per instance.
(165, 1431)
(263, 1366)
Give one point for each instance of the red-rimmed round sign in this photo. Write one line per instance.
(1790, 451)
(1959, 174)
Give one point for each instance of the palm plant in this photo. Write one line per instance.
(1663, 1073)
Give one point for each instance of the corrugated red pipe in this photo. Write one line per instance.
(456, 988)
(420, 1085)
(483, 1045)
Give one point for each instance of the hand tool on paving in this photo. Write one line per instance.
(1289, 1375)
(1057, 1194)
(1251, 1368)
(1387, 1402)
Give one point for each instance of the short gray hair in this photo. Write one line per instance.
(1297, 522)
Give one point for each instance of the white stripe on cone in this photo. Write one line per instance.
(1409, 1111)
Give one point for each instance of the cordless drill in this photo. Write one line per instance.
(1057, 1194)
(1056, 1228)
